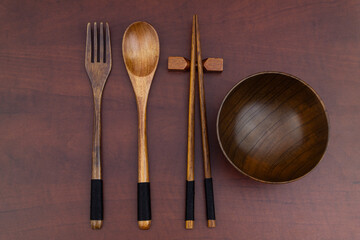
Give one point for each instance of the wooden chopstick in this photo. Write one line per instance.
(190, 184)
(210, 208)
(190, 181)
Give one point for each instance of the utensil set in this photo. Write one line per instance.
(271, 126)
(141, 50)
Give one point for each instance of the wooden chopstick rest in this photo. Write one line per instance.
(183, 64)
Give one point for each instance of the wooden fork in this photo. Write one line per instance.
(98, 67)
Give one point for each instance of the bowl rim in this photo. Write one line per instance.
(288, 75)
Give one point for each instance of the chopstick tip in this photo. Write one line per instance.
(189, 224)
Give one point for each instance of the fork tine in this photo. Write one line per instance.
(95, 43)
(101, 39)
(88, 44)
(108, 44)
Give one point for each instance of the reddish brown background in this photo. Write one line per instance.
(46, 119)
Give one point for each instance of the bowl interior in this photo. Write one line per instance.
(273, 127)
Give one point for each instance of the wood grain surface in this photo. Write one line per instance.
(46, 119)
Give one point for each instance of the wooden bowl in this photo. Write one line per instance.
(273, 127)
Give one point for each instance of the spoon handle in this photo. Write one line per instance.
(144, 204)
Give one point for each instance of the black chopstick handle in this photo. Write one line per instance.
(209, 193)
(190, 197)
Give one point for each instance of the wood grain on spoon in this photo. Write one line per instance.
(141, 51)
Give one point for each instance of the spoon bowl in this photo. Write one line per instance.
(141, 49)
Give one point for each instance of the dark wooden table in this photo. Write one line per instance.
(46, 119)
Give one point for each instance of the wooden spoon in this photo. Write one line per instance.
(141, 51)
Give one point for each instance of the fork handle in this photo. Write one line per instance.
(96, 203)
